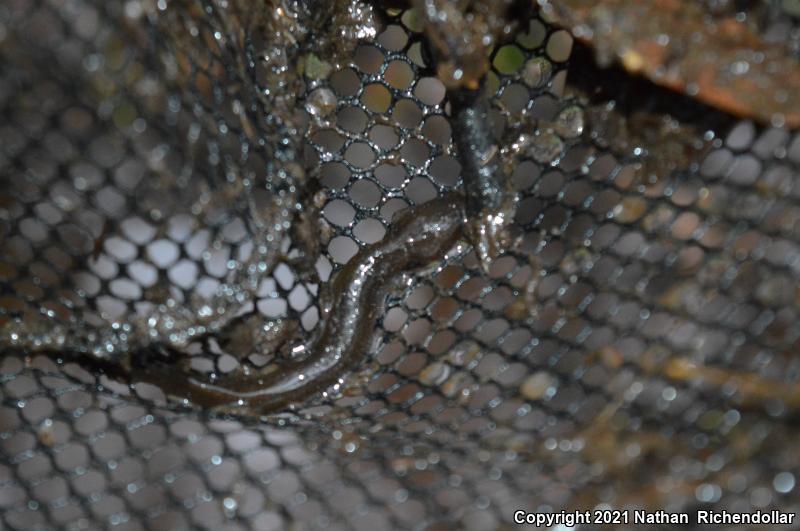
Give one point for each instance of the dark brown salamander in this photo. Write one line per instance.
(477, 151)
(420, 236)
(490, 202)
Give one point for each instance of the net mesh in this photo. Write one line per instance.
(182, 181)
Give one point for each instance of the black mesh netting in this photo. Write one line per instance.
(184, 182)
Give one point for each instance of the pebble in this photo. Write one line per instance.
(321, 102)
(537, 385)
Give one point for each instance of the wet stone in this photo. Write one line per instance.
(546, 147)
(570, 122)
(321, 102)
(630, 209)
(537, 385)
(434, 374)
(537, 72)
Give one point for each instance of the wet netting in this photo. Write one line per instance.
(236, 293)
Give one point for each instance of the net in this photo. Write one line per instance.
(200, 198)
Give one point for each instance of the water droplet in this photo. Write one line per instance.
(740, 68)
(230, 504)
(784, 482)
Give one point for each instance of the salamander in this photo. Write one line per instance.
(419, 236)
(490, 202)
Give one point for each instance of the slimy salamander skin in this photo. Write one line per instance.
(477, 151)
(419, 236)
(490, 204)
